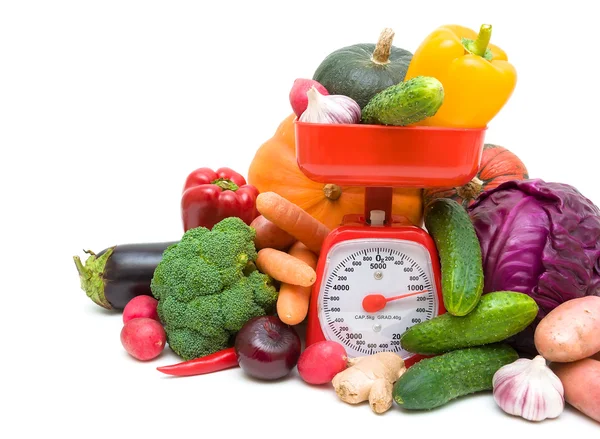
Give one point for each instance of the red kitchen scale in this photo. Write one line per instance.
(378, 274)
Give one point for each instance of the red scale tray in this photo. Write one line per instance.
(374, 155)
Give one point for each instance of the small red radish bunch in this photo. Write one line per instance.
(298, 97)
(142, 336)
(320, 362)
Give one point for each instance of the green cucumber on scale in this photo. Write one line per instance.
(405, 103)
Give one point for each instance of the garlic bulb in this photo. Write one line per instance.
(330, 108)
(529, 388)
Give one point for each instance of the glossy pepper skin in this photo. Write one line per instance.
(210, 196)
(478, 80)
(221, 360)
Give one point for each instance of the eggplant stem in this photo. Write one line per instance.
(91, 276)
(80, 267)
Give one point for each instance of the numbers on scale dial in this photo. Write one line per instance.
(347, 321)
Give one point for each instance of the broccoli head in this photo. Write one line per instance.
(207, 287)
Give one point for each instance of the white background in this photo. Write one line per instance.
(105, 107)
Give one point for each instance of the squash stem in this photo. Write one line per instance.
(332, 191)
(471, 190)
(383, 48)
(479, 46)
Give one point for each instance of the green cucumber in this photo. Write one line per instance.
(460, 254)
(405, 103)
(433, 382)
(496, 317)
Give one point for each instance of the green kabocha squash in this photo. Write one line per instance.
(361, 71)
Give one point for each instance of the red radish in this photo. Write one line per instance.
(141, 306)
(298, 97)
(320, 362)
(143, 338)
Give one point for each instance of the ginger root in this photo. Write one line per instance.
(370, 378)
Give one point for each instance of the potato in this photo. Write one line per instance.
(571, 331)
(581, 381)
(268, 235)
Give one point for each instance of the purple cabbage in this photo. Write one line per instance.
(541, 239)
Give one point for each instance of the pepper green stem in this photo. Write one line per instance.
(479, 46)
(483, 39)
(225, 184)
(91, 276)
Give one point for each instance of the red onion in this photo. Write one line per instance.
(267, 348)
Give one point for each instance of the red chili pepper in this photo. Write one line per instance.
(220, 360)
(210, 196)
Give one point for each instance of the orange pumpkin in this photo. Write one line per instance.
(497, 166)
(274, 168)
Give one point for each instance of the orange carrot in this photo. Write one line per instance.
(292, 303)
(285, 268)
(292, 219)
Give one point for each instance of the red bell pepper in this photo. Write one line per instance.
(210, 196)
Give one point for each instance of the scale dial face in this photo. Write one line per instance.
(359, 268)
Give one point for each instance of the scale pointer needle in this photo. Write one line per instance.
(376, 302)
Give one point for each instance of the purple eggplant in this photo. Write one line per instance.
(117, 274)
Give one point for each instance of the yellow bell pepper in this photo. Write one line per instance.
(478, 80)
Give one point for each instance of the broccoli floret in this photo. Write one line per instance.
(239, 301)
(230, 247)
(206, 290)
(188, 344)
(265, 294)
(202, 278)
